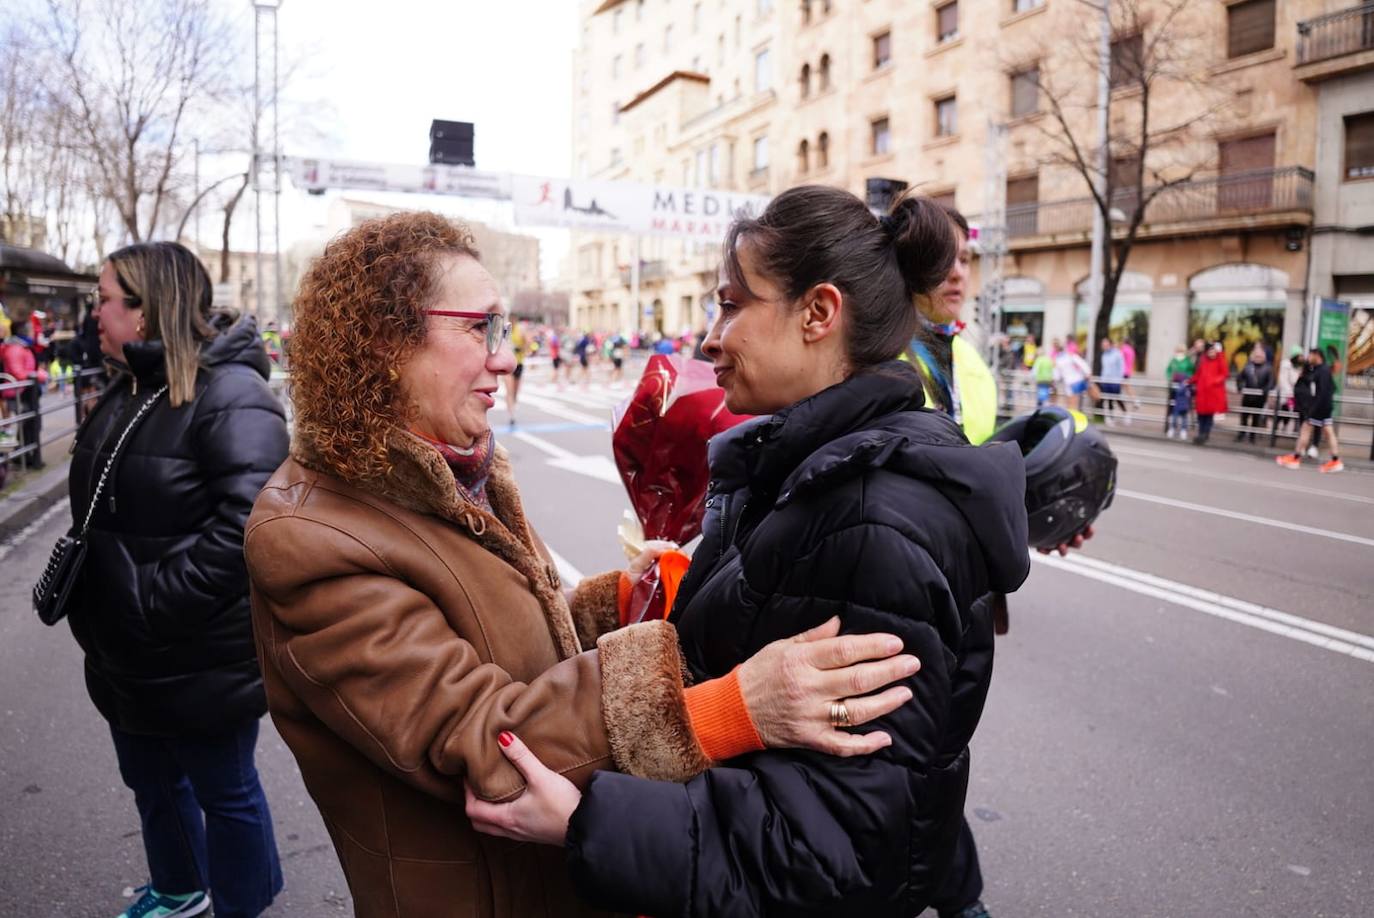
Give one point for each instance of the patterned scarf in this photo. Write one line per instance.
(471, 467)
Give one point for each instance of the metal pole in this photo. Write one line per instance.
(276, 176)
(196, 225)
(257, 156)
(634, 288)
(1104, 89)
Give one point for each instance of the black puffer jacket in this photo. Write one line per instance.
(848, 503)
(162, 608)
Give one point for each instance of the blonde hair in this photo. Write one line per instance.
(174, 290)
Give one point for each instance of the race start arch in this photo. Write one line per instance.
(700, 214)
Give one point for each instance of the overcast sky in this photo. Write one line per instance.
(388, 68)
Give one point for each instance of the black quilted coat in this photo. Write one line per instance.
(162, 608)
(854, 502)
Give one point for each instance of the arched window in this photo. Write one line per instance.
(805, 80)
(825, 72)
(803, 157)
(806, 11)
(823, 151)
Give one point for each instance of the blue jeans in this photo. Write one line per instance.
(205, 819)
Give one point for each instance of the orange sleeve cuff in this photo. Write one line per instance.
(720, 719)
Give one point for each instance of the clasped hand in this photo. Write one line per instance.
(788, 687)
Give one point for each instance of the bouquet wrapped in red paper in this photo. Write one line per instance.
(659, 443)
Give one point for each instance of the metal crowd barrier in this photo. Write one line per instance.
(19, 397)
(1149, 401)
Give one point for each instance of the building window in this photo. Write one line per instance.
(944, 199)
(1249, 27)
(615, 67)
(947, 22)
(761, 153)
(615, 113)
(946, 117)
(720, 50)
(765, 7)
(615, 156)
(806, 16)
(639, 10)
(1359, 146)
(639, 55)
(803, 157)
(823, 151)
(716, 173)
(882, 50)
(1025, 92)
(1128, 54)
(1023, 194)
(1247, 177)
(1023, 190)
(700, 176)
(667, 39)
(805, 80)
(696, 18)
(739, 29)
(824, 76)
(615, 22)
(762, 72)
(1024, 6)
(881, 135)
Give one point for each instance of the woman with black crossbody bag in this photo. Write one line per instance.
(152, 580)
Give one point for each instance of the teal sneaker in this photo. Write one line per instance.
(153, 904)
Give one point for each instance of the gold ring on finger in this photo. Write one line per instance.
(839, 715)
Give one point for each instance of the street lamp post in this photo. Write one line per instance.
(265, 10)
(1099, 249)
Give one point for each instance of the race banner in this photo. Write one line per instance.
(627, 207)
(610, 207)
(320, 174)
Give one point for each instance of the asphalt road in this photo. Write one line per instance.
(1181, 722)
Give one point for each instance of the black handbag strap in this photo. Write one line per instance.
(114, 456)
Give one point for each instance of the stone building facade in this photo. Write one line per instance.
(757, 96)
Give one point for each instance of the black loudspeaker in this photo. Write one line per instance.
(879, 193)
(450, 142)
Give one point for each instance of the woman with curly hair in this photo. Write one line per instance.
(407, 614)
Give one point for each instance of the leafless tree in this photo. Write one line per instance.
(1159, 108)
(133, 78)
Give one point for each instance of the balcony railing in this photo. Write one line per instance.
(1260, 191)
(1346, 32)
(649, 271)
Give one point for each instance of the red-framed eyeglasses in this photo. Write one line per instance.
(497, 331)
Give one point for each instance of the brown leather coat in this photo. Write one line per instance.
(400, 630)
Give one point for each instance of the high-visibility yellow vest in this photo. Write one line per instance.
(975, 390)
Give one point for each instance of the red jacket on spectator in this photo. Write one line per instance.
(19, 361)
(1210, 381)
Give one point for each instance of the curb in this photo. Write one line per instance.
(33, 498)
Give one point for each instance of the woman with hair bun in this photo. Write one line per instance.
(850, 498)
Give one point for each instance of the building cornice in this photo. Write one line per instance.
(675, 75)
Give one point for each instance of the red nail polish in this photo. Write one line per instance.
(506, 738)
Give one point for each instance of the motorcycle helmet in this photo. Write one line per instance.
(1070, 472)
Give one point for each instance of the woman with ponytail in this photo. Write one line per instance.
(849, 497)
(161, 607)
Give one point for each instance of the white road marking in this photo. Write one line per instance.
(540, 443)
(1266, 483)
(570, 575)
(549, 406)
(1153, 453)
(1273, 621)
(18, 538)
(599, 467)
(1246, 517)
